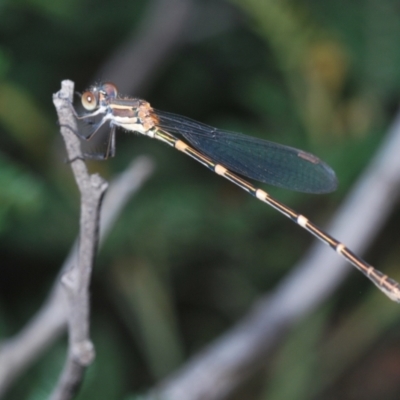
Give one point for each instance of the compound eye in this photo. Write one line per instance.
(89, 101)
(110, 89)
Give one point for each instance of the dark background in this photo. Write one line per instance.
(192, 252)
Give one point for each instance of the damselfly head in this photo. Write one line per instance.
(90, 100)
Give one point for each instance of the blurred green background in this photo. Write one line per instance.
(192, 252)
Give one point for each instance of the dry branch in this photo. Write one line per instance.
(76, 280)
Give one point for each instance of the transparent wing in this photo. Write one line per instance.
(254, 158)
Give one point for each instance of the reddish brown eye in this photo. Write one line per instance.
(110, 90)
(89, 101)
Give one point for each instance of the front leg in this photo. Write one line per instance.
(96, 127)
(110, 150)
(87, 138)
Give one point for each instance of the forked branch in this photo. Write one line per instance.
(76, 280)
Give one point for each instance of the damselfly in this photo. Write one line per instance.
(227, 154)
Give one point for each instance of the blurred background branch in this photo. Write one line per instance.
(160, 34)
(222, 367)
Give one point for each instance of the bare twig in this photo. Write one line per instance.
(76, 280)
(221, 367)
(19, 352)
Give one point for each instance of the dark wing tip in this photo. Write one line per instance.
(326, 181)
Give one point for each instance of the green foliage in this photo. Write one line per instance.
(298, 362)
(22, 194)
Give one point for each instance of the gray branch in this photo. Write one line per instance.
(76, 280)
